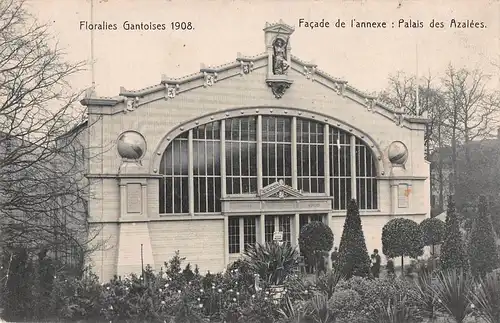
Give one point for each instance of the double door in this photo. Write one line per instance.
(285, 224)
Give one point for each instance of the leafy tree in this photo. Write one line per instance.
(353, 255)
(483, 253)
(433, 231)
(453, 255)
(402, 237)
(315, 239)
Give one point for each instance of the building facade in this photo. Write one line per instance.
(213, 161)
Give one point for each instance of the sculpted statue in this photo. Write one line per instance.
(280, 63)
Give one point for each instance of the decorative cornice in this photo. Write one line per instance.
(280, 27)
(246, 64)
(415, 119)
(102, 101)
(278, 190)
(116, 176)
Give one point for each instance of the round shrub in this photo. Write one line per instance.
(433, 231)
(315, 238)
(376, 293)
(345, 305)
(402, 237)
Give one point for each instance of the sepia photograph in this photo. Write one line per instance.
(224, 161)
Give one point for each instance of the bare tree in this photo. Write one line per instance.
(43, 192)
(401, 94)
(471, 108)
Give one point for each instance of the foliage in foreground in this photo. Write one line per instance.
(272, 262)
(486, 297)
(453, 290)
(179, 293)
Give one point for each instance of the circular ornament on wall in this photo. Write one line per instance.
(131, 145)
(398, 153)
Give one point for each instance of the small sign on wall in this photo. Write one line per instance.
(134, 198)
(404, 192)
(278, 236)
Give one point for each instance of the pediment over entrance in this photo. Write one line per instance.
(279, 190)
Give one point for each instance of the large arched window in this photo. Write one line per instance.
(206, 163)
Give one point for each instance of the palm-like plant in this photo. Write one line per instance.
(426, 295)
(396, 311)
(274, 263)
(453, 289)
(328, 281)
(486, 298)
(292, 312)
(318, 310)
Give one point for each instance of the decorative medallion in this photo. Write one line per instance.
(370, 104)
(131, 104)
(279, 87)
(280, 61)
(210, 78)
(246, 67)
(397, 153)
(171, 91)
(399, 118)
(337, 88)
(131, 145)
(309, 72)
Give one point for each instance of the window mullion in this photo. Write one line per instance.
(326, 154)
(294, 152)
(353, 167)
(190, 173)
(242, 235)
(222, 160)
(259, 153)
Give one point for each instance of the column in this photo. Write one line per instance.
(144, 199)
(226, 241)
(259, 153)
(394, 196)
(353, 167)
(296, 228)
(242, 235)
(294, 152)
(123, 200)
(190, 173)
(327, 159)
(223, 158)
(262, 228)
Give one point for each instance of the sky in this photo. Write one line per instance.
(364, 57)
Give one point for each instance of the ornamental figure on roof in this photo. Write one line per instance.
(280, 63)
